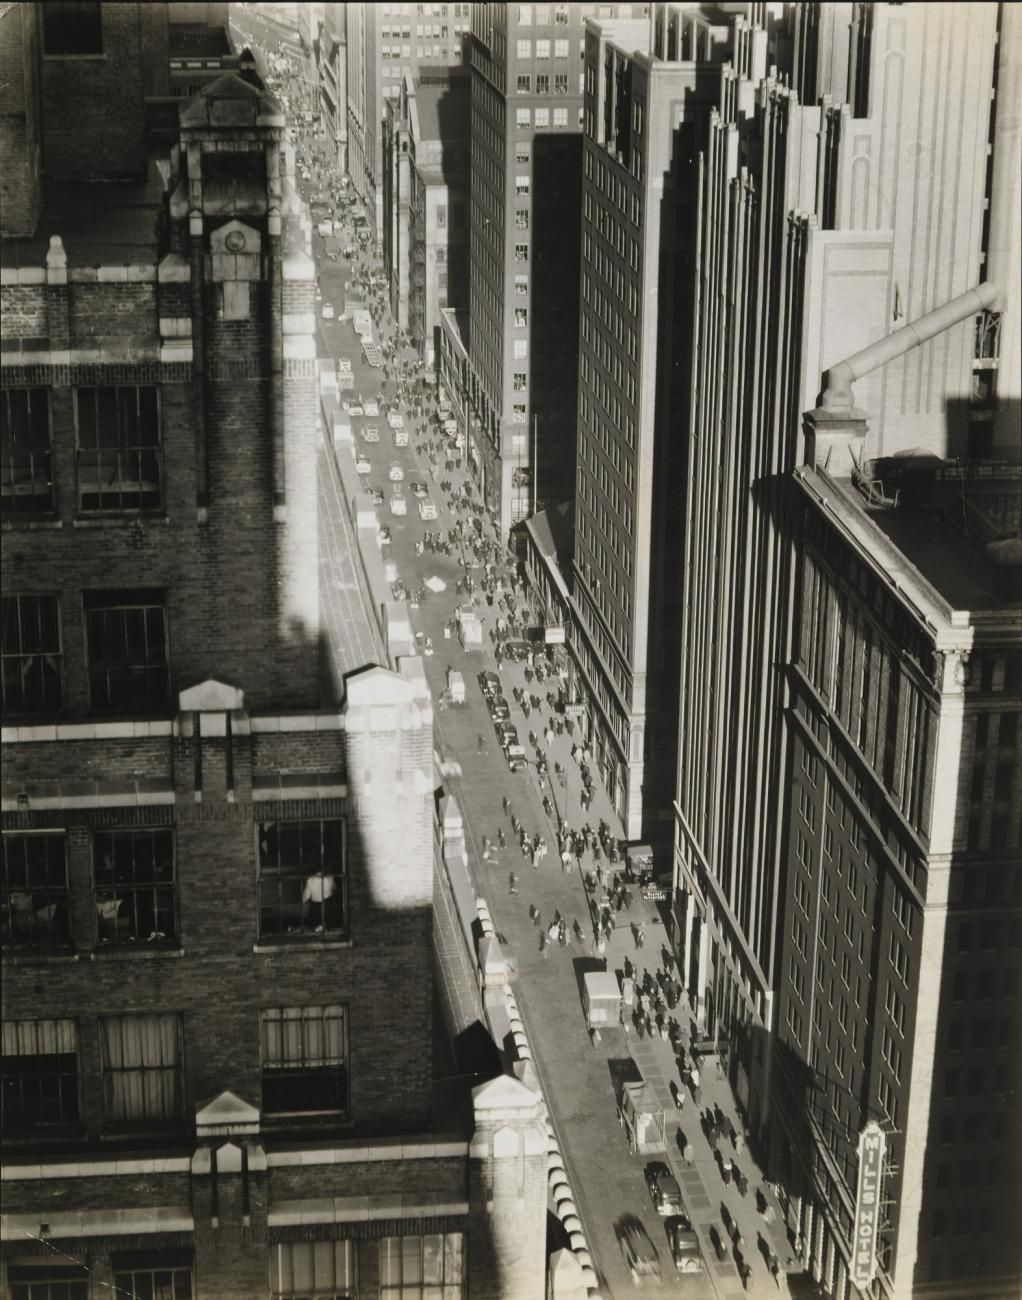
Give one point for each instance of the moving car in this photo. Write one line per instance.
(399, 591)
(427, 509)
(515, 756)
(664, 1189)
(684, 1244)
(398, 504)
(376, 495)
(395, 419)
(356, 408)
(400, 437)
(327, 311)
(362, 465)
(419, 491)
(396, 474)
(370, 432)
(372, 409)
(640, 1253)
(344, 363)
(383, 535)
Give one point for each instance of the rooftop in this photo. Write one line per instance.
(197, 41)
(952, 527)
(443, 110)
(101, 223)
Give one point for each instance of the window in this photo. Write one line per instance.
(441, 216)
(561, 50)
(428, 1266)
(39, 1074)
(126, 634)
(142, 1068)
(521, 186)
(518, 413)
(70, 28)
(542, 118)
(523, 152)
(520, 349)
(521, 252)
(520, 383)
(561, 83)
(38, 1279)
(118, 430)
(312, 1269)
(523, 118)
(524, 83)
(522, 286)
(304, 1060)
(34, 899)
(25, 450)
(153, 1275)
(560, 117)
(302, 878)
(31, 663)
(542, 49)
(525, 15)
(134, 879)
(522, 219)
(524, 49)
(561, 17)
(521, 318)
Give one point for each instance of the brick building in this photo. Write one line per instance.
(206, 902)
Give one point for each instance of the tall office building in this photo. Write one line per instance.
(387, 42)
(425, 202)
(643, 106)
(332, 61)
(818, 861)
(527, 87)
(217, 1033)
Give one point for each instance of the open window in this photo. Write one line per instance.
(39, 1074)
(31, 660)
(126, 635)
(304, 1060)
(34, 903)
(72, 28)
(302, 878)
(25, 451)
(135, 890)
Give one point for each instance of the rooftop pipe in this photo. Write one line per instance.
(837, 394)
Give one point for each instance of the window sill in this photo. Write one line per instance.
(122, 518)
(122, 953)
(290, 944)
(37, 958)
(60, 58)
(14, 524)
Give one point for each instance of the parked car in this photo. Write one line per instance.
(507, 732)
(427, 509)
(418, 490)
(498, 707)
(376, 495)
(515, 756)
(684, 1244)
(371, 433)
(489, 683)
(396, 474)
(362, 465)
(664, 1189)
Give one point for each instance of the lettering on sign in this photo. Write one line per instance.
(872, 1146)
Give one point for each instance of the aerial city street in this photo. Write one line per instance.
(512, 650)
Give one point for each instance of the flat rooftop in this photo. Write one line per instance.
(197, 41)
(443, 110)
(942, 525)
(101, 223)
